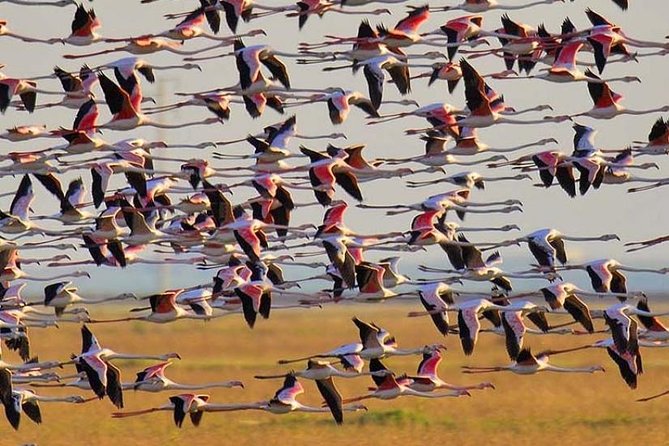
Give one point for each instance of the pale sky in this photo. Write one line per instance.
(608, 210)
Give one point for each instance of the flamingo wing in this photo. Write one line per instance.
(332, 398)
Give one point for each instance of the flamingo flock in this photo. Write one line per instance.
(267, 214)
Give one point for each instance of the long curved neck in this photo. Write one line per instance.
(115, 355)
(230, 407)
(174, 126)
(580, 239)
(303, 408)
(408, 352)
(52, 399)
(644, 112)
(640, 270)
(173, 385)
(553, 368)
(505, 120)
(190, 53)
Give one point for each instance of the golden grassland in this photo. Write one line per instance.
(547, 408)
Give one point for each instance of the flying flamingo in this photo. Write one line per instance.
(630, 364)
(654, 329)
(339, 103)
(57, 3)
(563, 295)
(148, 45)
(388, 387)
(164, 309)
(469, 179)
(318, 371)
(427, 379)
(126, 117)
(375, 342)
(467, 143)
(483, 112)
(606, 103)
(436, 297)
(477, 6)
(25, 89)
(283, 402)
(658, 138)
(547, 245)
(606, 274)
(256, 294)
(373, 69)
(182, 405)
(564, 68)
(527, 363)
(103, 376)
(455, 200)
(307, 8)
(623, 328)
(153, 379)
(468, 261)
(234, 10)
(16, 401)
(60, 295)
(322, 372)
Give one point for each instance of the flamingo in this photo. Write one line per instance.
(388, 387)
(467, 143)
(477, 6)
(164, 309)
(484, 110)
(25, 89)
(654, 329)
(606, 274)
(373, 69)
(527, 363)
(606, 103)
(563, 295)
(623, 328)
(182, 404)
(456, 200)
(629, 364)
(514, 327)
(153, 379)
(428, 380)
(146, 45)
(126, 117)
(469, 180)
(375, 342)
(564, 68)
(436, 297)
(284, 401)
(249, 59)
(234, 10)
(16, 401)
(103, 376)
(77, 87)
(325, 171)
(56, 3)
(339, 102)
(60, 295)
(547, 245)
(318, 371)
(468, 261)
(459, 30)
(308, 8)
(658, 138)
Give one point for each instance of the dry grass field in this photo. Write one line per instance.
(540, 409)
